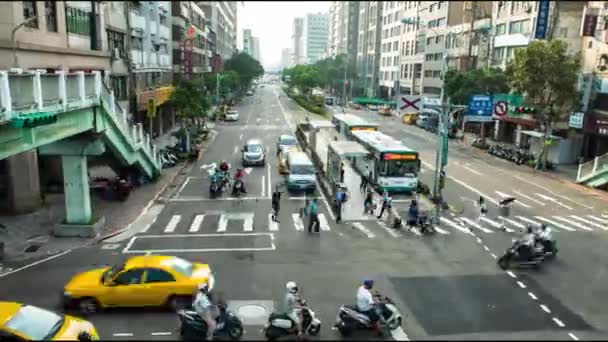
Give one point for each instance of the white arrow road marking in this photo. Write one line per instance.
(209, 166)
(454, 225)
(518, 202)
(196, 224)
(531, 221)
(558, 225)
(399, 335)
(272, 225)
(588, 222)
(297, 220)
(248, 170)
(364, 229)
(323, 223)
(553, 200)
(528, 197)
(597, 219)
(170, 228)
(576, 224)
(236, 149)
(476, 225)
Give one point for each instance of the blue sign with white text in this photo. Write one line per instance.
(542, 20)
(481, 108)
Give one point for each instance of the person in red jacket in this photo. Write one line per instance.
(240, 175)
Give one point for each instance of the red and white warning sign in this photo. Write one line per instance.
(500, 108)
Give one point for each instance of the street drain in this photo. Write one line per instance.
(32, 248)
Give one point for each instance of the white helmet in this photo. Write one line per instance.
(291, 286)
(203, 287)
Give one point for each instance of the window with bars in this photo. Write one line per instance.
(116, 40)
(30, 11)
(137, 43)
(78, 21)
(50, 12)
(119, 85)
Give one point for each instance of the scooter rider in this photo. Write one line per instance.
(525, 245)
(366, 303)
(545, 237)
(292, 305)
(205, 309)
(240, 175)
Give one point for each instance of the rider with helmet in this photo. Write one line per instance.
(204, 307)
(366, 303)
(292, 305)
(240, 175)
(224, 166)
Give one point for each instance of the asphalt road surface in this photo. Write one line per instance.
(447, 285)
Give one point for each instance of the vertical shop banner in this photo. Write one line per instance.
(542, 20)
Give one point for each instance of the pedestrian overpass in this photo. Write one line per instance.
(594, 173)
(71, 115)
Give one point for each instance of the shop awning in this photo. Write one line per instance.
(368, 100)
(518, 121)
(348, 149)
(539, 135)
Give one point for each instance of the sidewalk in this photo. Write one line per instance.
(30, 236)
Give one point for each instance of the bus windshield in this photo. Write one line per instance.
(399, 168)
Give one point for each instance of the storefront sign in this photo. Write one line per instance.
(160, 95)
(602, 127)
(600, 85)
(542, 21)
(576, 120)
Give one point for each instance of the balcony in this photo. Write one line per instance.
(152, 58)
(164, 32)
(137, 21)
(153, 27)
(164, 60)
(136, 58)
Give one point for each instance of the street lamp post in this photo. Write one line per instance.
(14, 41)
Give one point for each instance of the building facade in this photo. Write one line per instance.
(297, 38)
(316, 30)
(410, 52)
(392, 14)
(286, 58)
(256, 48)
(247, 41)
(221, 16)
(368, 47)
(191, 49)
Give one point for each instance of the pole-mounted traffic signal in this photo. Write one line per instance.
(524, 110)
(33, 120)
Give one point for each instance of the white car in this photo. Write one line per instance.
(249, 93)
(232, 115)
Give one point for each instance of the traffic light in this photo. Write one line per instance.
(524, 110)
(34, 120)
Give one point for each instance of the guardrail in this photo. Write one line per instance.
(590, 168)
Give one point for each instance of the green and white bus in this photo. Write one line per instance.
(394, 166)
(347, 123)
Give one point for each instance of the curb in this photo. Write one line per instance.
(155, 198)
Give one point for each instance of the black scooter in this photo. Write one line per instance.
(514, 257)
(192, 326)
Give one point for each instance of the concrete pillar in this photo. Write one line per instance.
(518, 136)
(497, 134)
(76, 187)
(23, 182)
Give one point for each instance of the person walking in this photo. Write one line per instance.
(313, 211)
(386, 203)
(368, 204)
(364, 181)
(340, 199)
(342, 172)
(276, 199)
(483, 210)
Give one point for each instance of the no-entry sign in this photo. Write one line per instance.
(500, 108)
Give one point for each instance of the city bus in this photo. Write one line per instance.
(394, 166)
(347, 123)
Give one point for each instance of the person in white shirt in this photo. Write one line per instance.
(205, 309)
(366, 303)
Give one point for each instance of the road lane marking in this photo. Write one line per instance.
(525, 219)
(597, 219)
(269, 182)
(2, 275)
(364, 229)
(236, 149)
(454, 225)
(493, 255)
(323, 222)
(558, 322)
(545, 308)
(181, 188)
(551, 199)
(476, 225)
(196, 224)
(263, 186)
(163, 333)
(532, 296)
(513, 222)
(469, 168)
(273, 226)
(588, 222)
(248, 223)
(576, 224)
(522, 285)
(573, 336)
(271, 247)
(441, 231)
(558, 225)
(512, 275)
(170, 228)
(486, 248)
(528, 197)
(490, 222)
(122, 334)
(297, 221)
(399, 335)
(392, 232)
(222, 224)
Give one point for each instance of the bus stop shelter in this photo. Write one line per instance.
(340, 156)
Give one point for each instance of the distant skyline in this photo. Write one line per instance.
(272, 23)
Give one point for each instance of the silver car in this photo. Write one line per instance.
(232, 115)
(253, 153)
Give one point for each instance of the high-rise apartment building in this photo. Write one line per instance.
(316, 29)
(297, 38)
(411, 58)
(368, 46)
(191, 54)
(286, 58)
(389, 54)
(221, 18)
(256, 48)
(247, 41)
(343, 28)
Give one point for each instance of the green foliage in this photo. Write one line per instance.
(230, 81)
(326, 73)
(189, 98)
(246, 67)
(460, 85)
(310, 104)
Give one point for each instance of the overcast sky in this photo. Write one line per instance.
(272, 23)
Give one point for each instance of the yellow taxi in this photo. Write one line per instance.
(150, 280)
(283, 157)
(20, 322)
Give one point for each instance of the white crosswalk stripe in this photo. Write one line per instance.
(475, 225)
(364, 229)
(527, 220)
(496, 224)
(272, 225)
(576, 224)
(323, 223)
(173, 223)
(222, 224)
(196, 224)
(441, 231)
(454, 225)
(297, 220)
(598, 219)
(558, 225)
(513, 222)
(597, 225)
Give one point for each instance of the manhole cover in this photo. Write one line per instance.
(252, 311)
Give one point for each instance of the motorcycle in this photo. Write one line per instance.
(512, 256)
(349, 319)
(280, 325)
(192, 326)
(549, 247)
(237, 188)
(425, 225)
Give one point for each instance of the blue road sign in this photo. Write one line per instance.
(481, 108)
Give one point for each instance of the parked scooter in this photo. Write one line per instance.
(192, 327)
(513, 257)
(350, 320)
(280, 325)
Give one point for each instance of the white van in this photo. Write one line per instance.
(301, 173)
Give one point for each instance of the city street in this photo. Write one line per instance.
(447, 286)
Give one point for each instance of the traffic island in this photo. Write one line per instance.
(90, 230)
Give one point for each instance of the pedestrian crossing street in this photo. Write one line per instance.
(246, 222)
